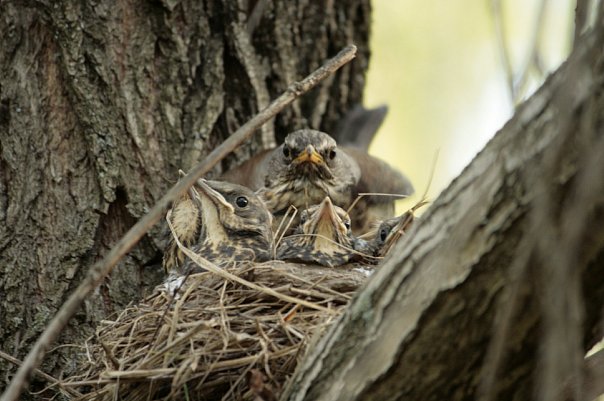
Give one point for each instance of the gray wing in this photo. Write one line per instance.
(377, 176)
(359, 125)
(250, 173)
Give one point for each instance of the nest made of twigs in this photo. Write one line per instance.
(202, 340)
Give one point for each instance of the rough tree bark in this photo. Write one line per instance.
(498, 291)
(101, 103)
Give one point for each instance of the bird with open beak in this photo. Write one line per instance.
(309, 166)
(234, 225)
(323, 237)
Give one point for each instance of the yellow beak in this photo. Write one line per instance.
(206, 190)
(309, 155)
(327, 220)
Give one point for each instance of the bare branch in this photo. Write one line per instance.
(43, 375)
(518, 81)
(502, 46)
(581, 18)
(533, 58)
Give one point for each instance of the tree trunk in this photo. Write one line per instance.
(101, 103)
(498, 291)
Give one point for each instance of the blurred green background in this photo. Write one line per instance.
(438, 65)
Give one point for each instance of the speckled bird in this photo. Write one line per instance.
(323, 237)
(186, 220)
(309, 166)
(391, 230)
(235, 225)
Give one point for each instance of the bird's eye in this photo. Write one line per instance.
(383, 234)
(332, 154)
(347, 224)
(286, 151)
(241, 201)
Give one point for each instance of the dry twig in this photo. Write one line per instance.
(43, 375)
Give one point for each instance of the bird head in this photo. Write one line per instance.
(390, 231)
(235, 222)
(307, 167)
(327, 223)
(309, 154)
(323, 236)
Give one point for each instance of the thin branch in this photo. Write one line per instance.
(43, 375)
(581, 18)
(104, 267)
(518, 81)
(533, 55)
(502, 46)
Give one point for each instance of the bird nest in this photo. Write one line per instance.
(207, 337)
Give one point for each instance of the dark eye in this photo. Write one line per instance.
(241, 201)
(383, 234)
(332, 154)
(347, 224)
(286, 151)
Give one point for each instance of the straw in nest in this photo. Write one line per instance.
(203, 340)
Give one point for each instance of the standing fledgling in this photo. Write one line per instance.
(323, 237)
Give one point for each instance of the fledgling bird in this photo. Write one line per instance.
(391, 230)
(309, 166)
(359, 126)
(186, 220)
(323, 237)
(235, 225)
(372, 246)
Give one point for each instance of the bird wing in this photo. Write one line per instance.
(250, 173)
(359, 126)
(378, 176)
